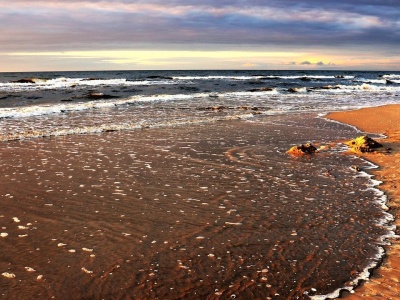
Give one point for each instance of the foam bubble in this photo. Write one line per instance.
(86, 270)
(8, 275)
(29, 269)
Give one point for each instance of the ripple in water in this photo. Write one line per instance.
(212, 211)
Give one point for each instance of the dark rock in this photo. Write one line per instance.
(307, 149)
(265, 89)
(247, 108)
(329, 87)
(25, 80)
(91, 79)
(159, 77)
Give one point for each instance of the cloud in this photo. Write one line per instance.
(249, 65)
(180, 59)
(75, 24)
(345, 27)
(309, 63)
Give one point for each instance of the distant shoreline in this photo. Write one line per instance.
(206, 70)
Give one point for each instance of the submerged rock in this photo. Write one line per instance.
(363, 144)
(25, 80)
(159, 77)
(330, 87)
(31, 80)
(308, 149)
(390, 81)
(264, 89)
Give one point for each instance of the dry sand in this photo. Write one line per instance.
(385, 282)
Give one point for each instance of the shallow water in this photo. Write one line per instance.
(64, 103)
(205, 211)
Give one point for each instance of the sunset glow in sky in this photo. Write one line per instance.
(56, 35)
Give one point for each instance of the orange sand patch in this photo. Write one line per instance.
(385, 282)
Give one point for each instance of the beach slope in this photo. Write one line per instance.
(384, 284)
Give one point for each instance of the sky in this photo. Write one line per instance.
(62, 35)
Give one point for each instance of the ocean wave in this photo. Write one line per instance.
(38, 110)
(255, 92)
(391, 76)
(265, 95)
(30, 84)
(211, 77)
(370, 81)
(53, 132)
(367, 87)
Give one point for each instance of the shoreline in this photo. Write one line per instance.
(384, 282)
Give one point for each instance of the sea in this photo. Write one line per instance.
(177, 185)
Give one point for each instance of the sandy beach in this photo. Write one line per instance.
(384, 283)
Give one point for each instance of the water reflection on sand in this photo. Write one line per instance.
(211, 211)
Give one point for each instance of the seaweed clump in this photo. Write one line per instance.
(363, 144)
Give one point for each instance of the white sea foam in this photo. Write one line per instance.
(391, 76)
(255, 93)
(119, 127)
(29, 269)
(316, 77)
(38, 110)
(63, 83)
(234, 223)
(8, 275)
(86, 270)
(87, 249)
(369, 81)
(257, 77)
(367, 87)
(384, 222)
(217, 77)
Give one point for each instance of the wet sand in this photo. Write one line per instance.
(384, 284)
(211, 211)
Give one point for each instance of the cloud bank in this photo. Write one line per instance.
(285, 25)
